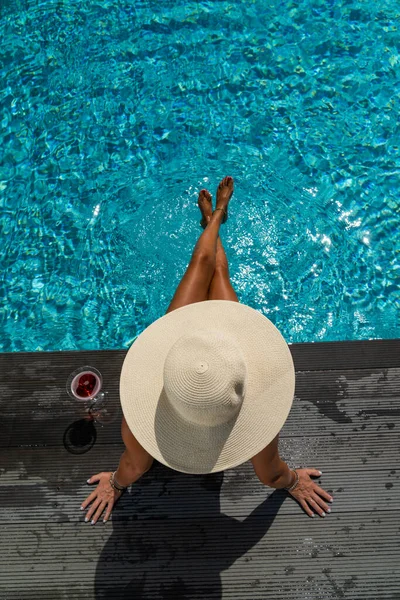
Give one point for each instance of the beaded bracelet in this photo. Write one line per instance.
(290, 488)
(115, 485)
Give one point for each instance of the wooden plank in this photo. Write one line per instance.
(364, 354)
(164, 493)
(216, 536)
(357, 354)
(264, 556)
(334, 402)
(34, 405)
(340, 418)
(334, 452)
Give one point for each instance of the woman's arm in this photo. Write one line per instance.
(135, 460)
(270, 468)
(273, 471)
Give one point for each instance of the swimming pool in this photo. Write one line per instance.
(114, 115)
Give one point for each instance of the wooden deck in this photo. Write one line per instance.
(183, 537)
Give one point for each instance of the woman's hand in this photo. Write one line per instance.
(310, 495)
(102, 498)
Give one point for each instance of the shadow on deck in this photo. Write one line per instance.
(223, 536)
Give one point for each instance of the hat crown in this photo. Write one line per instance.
(205, 377)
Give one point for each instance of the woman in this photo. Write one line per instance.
(205, 387)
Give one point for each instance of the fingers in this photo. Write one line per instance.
(323, 493)
(314, 472)
(108, 512)
(312, 497)
(98, 512)
(94, 478)
(97, 509)
(101, 499)
(92, 509)
(306, 508)
(89, 499)
(324, 506)
(316, 506)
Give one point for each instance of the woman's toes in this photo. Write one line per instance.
(205, 193)
(204, 196)
(226, 182)
(204, 202)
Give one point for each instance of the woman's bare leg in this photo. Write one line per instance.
(220, 286)
(196, 281)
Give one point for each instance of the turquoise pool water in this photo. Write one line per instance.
(115, 114)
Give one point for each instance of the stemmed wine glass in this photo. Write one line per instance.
(84, 385)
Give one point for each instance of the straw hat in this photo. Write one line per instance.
(207, 386)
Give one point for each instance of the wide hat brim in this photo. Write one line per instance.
(184, 446)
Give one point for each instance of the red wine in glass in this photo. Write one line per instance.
(85, 385)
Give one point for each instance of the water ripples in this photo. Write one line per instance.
(114, 115)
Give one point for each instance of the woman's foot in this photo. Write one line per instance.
(204, 202)
(224, 194)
